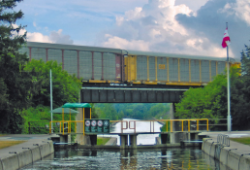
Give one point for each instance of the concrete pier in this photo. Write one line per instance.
(124, 143)
(65, 138)
(164, 138)
(133, 141)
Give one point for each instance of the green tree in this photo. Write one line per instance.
(245, 62)
(93, 111)
(159, 110)
(241, 95)
(13, 85)
(133, 110)
(66, 88)
(120, 115)
(36, 120)
(106, 111)
(210, 101)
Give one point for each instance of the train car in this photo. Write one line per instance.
(109, 65)
(91, 64)
(172, 69)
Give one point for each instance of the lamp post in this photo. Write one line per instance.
(51, 101)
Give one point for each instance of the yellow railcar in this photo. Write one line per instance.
(172, 69)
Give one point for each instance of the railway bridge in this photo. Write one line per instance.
(112, 75)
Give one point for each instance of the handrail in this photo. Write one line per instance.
(186, 125)
(171, 122)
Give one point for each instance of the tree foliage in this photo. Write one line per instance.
(26, 86)
(36, 119)
(66, 88)
(13, 85)
(211, 101)
(133, 110)
(241, 94)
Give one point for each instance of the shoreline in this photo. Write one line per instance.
(17, 156)
(236, 157)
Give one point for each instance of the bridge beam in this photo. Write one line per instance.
(130, 95)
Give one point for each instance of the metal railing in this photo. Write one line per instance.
(63, 126)
(171, 125)
(38, 127)
(186, 125)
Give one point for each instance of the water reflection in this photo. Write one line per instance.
(128, 159)
(76, 159)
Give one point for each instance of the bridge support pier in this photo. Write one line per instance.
(194, 136)
(93, 140)
(65, 138)
(124, 141)
(133, 141)
(164, 138)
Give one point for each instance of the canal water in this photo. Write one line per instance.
(148, 159)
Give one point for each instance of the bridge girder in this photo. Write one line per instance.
(130, 95)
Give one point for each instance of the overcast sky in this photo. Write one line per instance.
(170, 26)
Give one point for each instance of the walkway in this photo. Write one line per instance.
(31, 141)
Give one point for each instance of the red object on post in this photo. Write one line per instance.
(226, 39)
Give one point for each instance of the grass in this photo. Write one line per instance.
(5, 144)
(245, 141)
(102, 141)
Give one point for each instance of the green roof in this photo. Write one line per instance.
(66, 111)
(76, 105)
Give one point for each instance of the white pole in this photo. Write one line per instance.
(228, 95)
(51, 101)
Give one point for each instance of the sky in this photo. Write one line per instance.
(193, 27)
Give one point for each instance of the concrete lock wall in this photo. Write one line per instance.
(27, 156)
(229, 157)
